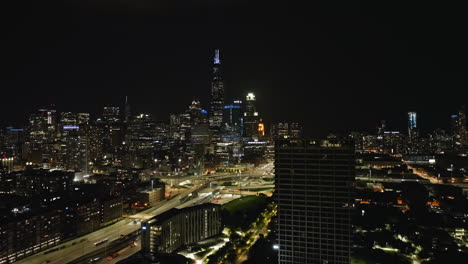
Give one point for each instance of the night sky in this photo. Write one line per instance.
(335, 67)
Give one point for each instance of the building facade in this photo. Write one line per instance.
(217, 95)
(175, 228)
(313, 192)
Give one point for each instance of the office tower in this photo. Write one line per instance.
(140, 137)
(393, 142)
(13, 139)
(185, 126)
(41, 131)
(217, 95)
(251, 118)
(313, 191)
(174, 126)
(111, 114)
(459, 129)
(283, 130)
(73, 141)
(195, 111)
(94, 145)
(127, 110)
(111, 122)
(358, 139)
(233, 113)
(412, 124)
(230, 149)
(175, 228)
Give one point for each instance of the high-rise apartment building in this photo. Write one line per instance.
(313, 192)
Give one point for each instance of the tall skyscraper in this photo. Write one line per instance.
(127, 110)
(251, 118)
(217, 95)
(412, 125)
(313, 181)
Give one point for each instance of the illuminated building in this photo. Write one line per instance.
(313, 184)
(261, 129)
(251, 118)
(357, 137)
(195, 111)
(393, 142)
(111, 114)
(217, 95)
(12, 141)
(412, 126)
(74, 141)
(40, 133)
(42, 182)
(174, 126)
(94, 145)
(27, 234)
(233, 114)
(440, 141)
(175, 228)
(140, 137)
(283, 130)
(459, 131)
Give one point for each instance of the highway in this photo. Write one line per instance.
(84, 245)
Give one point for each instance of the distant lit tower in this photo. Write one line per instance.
(459, 128)
(195, 111)
(127, 112)
(412, 125)
(251, 118)
(217, 95)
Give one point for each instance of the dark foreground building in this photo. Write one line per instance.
(175, 228)
(313, 192)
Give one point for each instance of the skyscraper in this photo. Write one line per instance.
(251, 118)
(313, 181)
(217, 95)
(412, 125)
(127, 110)
(459, 128)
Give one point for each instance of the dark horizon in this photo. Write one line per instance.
(332, 67)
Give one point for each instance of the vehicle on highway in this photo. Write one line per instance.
(94, 260)
(101, 242)
(113, 256)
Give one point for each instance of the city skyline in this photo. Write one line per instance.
(280, 62)
(233, 132)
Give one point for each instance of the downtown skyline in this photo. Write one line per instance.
(316, 68)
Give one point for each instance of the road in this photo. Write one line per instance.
(85, 244)
(256, 232)
(71, 252)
